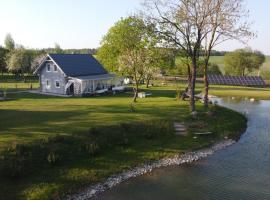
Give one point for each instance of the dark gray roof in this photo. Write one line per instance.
(78, 64)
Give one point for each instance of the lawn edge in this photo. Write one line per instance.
(176, 160)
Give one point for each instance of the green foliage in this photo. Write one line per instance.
(13, 161)
(181, 67)
(20, 60)
(3, 57)
(91, 148)
(242, 61)
(265, 74)
(125, 34)
(214, 69)
(53, 158)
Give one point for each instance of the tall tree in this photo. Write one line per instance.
(37, 60)
(3, 57)
(19, 61)
(9, 42)
(190, 25)
(126, 49)
(243, 61)
(180, 23)
(57, 48)
(226, 20)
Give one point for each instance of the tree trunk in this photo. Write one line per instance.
(187, 90)
(206, 89)
(147, 82)
(206, 83)
(192, 85)
(135, 89)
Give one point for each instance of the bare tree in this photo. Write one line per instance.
(226, 20)
(187, 24)
(181, 24)
(37, 61)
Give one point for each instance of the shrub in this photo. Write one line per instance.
(53, 158)
(265, 75)
(13, 161)
(91, 148)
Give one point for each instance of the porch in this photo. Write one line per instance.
(96, 84)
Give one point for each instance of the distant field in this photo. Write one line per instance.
(219, 60)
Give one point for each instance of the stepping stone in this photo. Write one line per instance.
(206, 133)
(180, 129)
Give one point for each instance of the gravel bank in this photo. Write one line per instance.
(111, 182)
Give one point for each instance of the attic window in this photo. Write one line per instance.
(55, 68)
(48, 67)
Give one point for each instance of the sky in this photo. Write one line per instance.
(82, 23)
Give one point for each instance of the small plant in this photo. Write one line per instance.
(91, 148)
(13, 161)
(132, 108)
(53, 158)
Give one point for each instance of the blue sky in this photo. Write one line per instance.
(82, 23)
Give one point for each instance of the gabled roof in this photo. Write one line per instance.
(78, 64)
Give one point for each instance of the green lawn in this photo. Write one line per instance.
(233, 91)
(29, 118)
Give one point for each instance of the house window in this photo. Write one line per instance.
(48, 67)
(57, 84)
(55, 68)
(48, 84)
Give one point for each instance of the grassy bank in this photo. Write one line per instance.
(245, 92)
(70, 143)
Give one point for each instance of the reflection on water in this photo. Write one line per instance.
(241, 171)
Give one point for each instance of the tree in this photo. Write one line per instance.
(57, 48)
(180, 23)
(20, 60)
(9, 42)
(227, 20)
(3, 57)
(37, 61)
(127, 50)
(132, 64)
(192, 25)
(214, 69)
(243, 61)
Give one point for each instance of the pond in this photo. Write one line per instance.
(241, 171)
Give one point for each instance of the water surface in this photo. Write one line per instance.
(240, 172)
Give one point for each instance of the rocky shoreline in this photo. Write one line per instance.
(111, 182)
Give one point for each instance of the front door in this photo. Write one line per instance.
(71, 89)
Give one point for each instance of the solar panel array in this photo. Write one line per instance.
(236, 80)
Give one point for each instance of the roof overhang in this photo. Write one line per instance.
(95, 77)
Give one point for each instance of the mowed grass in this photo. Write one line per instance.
(238, 91)
(27, 118)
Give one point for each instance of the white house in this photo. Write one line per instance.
(74, 74)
